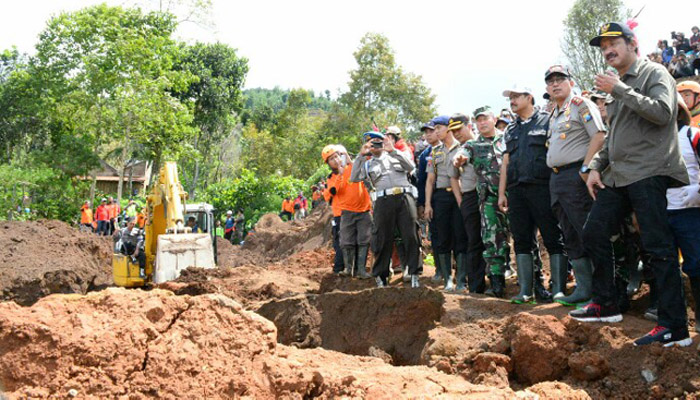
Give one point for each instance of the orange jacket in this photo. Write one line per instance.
(316, 195)
(140, 220)
(348, 196)
(288, 206)
(85, 215)
(113, 210)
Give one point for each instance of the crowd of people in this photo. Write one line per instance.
(609, 177)
(104, 219)
(682, 57)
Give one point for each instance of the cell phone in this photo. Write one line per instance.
(377, 145)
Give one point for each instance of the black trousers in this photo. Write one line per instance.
(391, 213)
(338, 263)
(529, 207)
(647, 198)
(448, 223)
(571, 204)
(471, 220)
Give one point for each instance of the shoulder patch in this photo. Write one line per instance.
(577, 100)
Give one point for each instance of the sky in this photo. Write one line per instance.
(467, 52)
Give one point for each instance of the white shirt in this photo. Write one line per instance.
(674, 196)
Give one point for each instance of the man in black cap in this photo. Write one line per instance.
(525, 176)
(638, 162)
(425, 157)
(576, 133)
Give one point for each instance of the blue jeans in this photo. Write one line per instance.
(647, 198)
(685, 225)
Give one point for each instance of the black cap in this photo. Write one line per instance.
(611, 29)
(457, 121)
(546, 96)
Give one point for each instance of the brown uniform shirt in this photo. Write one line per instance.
(643, 137)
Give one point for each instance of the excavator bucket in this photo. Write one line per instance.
(179, 251)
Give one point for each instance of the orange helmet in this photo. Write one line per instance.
(328, 151)
(689, 85)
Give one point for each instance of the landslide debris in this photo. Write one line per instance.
(136, 344)
(44, 257)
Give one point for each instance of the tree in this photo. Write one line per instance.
(107, 73)
(381, 91)
(581, 24)
(218, 99)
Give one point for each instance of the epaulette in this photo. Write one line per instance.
(577, 100)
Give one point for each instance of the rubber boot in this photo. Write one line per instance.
(526, 277)
(695, 290)
(348, 260)
(438, 269)
(498, 286)
(461, 275)
(446, 270)
(558, 265)
(362, 252)
(583, 270)
(406, 276)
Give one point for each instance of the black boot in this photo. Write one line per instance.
(348, 260)
(361, 262)
(498, 286)
(623, 301)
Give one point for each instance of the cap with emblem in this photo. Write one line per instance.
(485, 110)
(557, 69)
(440, 120)
(517, 90)
(457, 121)
(373, 135)
(427, 125)
(599, 94)
(611, 29)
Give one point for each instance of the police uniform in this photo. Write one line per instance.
(572, 126)
(486, 155)
(394, 207)
(528, 196)
(451, 236)
(471, 266)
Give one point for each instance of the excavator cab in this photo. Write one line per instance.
(170, 246)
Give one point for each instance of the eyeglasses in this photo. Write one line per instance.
(555, 80)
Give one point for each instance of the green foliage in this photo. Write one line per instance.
(582, 24)
(381, 91)
(254, 194)
(217, 99)
(49, 194)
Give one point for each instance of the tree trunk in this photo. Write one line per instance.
(131, 177)
(125, 163)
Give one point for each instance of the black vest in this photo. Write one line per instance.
(526, 144)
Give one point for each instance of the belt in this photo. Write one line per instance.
(576, 165)
(449, 189)
(394, 191)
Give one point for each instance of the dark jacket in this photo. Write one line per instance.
(526, 145)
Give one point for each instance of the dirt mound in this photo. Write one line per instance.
(44, 257)
(277, 239)
(135, 344)
(392, 322)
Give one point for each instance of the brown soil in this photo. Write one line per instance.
(324, 336)
(44, 257)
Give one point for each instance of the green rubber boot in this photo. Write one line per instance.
(583, 271)
(526, 275)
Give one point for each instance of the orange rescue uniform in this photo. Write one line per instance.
(85, 215)
(350, 196)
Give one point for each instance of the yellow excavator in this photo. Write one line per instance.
(170, 246)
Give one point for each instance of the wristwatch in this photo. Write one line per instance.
(584, 169)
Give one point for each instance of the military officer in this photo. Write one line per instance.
(386, 175)
(576, 133)
(485, 154)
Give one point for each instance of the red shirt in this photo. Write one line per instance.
(102, 213)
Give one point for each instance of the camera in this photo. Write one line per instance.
(377, 145)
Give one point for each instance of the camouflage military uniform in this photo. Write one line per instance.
(486, 155)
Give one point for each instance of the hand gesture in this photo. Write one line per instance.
(594, 183)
